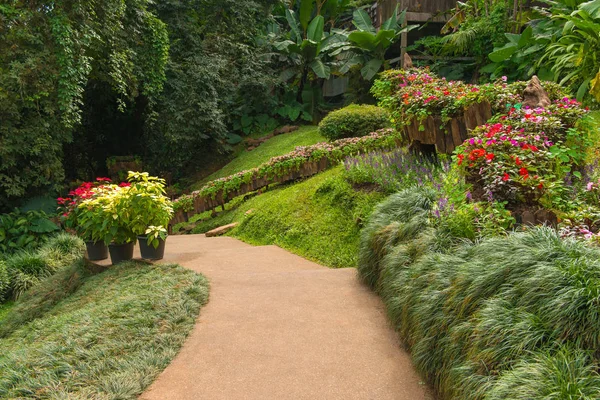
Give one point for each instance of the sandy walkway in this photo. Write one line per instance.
(280, 327)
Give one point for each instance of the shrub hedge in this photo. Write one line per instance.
(354, 121)
(512, 317)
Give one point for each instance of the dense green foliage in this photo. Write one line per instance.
(98, 336)
(512, 317)
(49, 52)
(353, 121)
(24, 230)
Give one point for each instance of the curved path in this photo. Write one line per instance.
(280, 327)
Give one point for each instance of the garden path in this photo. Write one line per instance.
(280, 327)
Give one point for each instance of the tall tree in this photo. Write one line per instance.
(49, 51)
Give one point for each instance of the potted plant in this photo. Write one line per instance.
(150, 211)
(73, 215)
(152, 246)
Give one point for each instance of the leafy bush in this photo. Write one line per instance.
(513, 317)
(353, 121)
(24, 230)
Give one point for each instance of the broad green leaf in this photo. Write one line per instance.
(371, 69)
(503, 53)
(320, 69)
(526, 37)
(362, 21)
(583, 88)
(488, 69)
(246, 121)
(356, 60)
(306, 9)
(384, 38)
(43, 225)
(364, 40)
(315, 29)
(392, 22)
(592, 8)
(513, 37)
(290, 15)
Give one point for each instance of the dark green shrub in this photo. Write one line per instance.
(354, 121)
(24, 230)
(514, 317)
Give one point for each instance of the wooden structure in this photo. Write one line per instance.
(434, 12)
(452, 134)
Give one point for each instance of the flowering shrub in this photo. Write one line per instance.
(278, 166)
(506, 164)
(417, 93)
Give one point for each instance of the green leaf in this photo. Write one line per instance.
(513, 37)
(526, 37)
(583, 89)
(315, 29)
(385, 38)
(503, 53)
(306, 9)
(392, 22)
(232, 138)
(362, 21)
(577, 174)
(43, 225)
(364, 40)
(246, 121)
(371, 69)
(356, 60)
(320, 69)
(592, 8)
(290, 15)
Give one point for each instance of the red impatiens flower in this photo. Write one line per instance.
(518, 161)
(505, 177)
(475, 154)
(541, 185)
(490, 156)
(461, 157)
(524, 173)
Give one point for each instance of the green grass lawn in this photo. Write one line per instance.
(319, 218)
(277, 146)
(81, 335)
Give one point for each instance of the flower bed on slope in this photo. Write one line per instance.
(302, 162)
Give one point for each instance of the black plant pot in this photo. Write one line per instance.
(149, 252)
(120, 252)
(96, 251)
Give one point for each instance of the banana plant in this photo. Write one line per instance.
(368, 45)
(308, 48)
(575, 56)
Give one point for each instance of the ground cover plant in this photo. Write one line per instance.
(319, 218)
(511, 317)
(28, 268)
(98, 336)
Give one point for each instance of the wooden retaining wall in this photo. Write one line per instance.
(446, 138)
(208, 203)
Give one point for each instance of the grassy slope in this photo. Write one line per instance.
(4, 309)
(276, 146)
(319, 218)
(103, 336)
